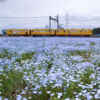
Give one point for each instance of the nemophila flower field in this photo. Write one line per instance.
(49, 68)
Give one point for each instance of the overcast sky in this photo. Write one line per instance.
(31, 8)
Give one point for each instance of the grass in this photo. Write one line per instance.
(12, 83)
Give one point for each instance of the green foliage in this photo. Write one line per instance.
(24, 57)
(42, 96)
(7, 54)
(92, 43)
(84, 53)
(49, 65)
(85, 77)
(27, 56)
(72, 90)
(11, 83)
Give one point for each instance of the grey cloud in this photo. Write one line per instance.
(2, 0)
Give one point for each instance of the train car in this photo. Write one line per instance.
(86, 32)
(42, 32)
(79, 32)
(74, 32)
(17, 32)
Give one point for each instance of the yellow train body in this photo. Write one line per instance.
(47, 32)
(40, 32)
(17, 32)
(74, 32)
(79, 32)
(61, 32)
(9, 32)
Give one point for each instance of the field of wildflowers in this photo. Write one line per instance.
(49, 68)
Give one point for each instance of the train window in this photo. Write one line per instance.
(16, 31)
(40, 31)
(74, 30)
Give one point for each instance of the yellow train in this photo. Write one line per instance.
(47, 32)
(16, 32)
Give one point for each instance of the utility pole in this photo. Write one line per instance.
(56, 19)
(57, 22)
(49, 23)
(67, 20)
